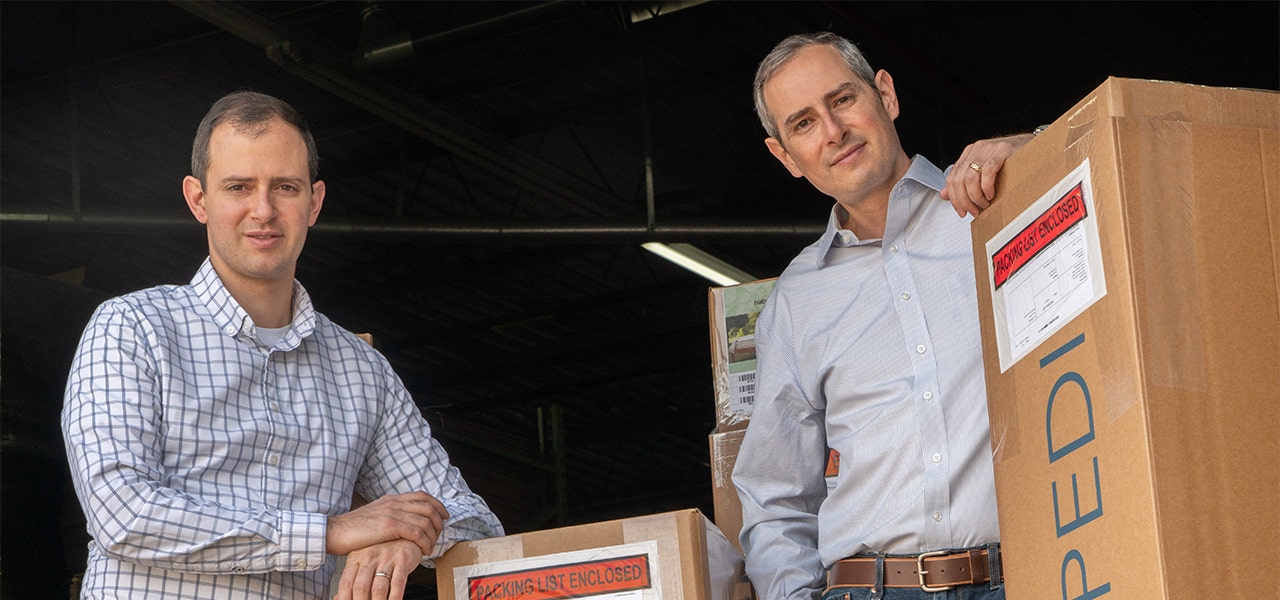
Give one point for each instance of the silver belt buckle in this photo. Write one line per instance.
(921, 572)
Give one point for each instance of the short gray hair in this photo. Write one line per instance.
(786, 49)
(249, 112)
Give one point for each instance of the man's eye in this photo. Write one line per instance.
(289, 187)
(802, 124)
(236, 187)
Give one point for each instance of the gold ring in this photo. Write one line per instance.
(976, 167)
(381, 574)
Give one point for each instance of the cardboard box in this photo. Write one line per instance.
(677, 555)
(724, 495)
(1130, 311)
(733, 311)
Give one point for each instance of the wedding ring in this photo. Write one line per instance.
(381, 574)
(976, 167)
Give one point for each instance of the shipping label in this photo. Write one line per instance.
(624, 572)
(1045, 267)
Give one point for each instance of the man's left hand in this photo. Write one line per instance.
(971, 184)
(378, 572)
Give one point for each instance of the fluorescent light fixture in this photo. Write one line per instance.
(693, 259)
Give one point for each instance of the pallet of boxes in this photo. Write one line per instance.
(1128, 280)
(733, 311)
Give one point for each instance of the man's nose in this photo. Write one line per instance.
(834, 129)
(263, 209)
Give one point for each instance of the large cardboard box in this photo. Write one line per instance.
(1130, 310)
(678, 555)
(733, 311)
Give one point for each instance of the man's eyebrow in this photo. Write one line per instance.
(245, 179)
(796, 116)
(845, 87)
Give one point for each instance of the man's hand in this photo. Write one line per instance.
(379, 571)
(416, 517)
(971, 189)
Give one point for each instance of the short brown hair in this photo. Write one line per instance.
(249, 112)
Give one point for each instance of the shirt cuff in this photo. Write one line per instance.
(302, 541)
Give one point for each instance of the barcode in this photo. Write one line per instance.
(747, 377)
(747, 389)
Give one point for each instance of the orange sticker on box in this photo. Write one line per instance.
(575, 580)
(1052, 223)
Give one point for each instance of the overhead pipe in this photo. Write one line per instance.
(577, 231)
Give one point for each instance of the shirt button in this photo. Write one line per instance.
(906, 296)
(937, 457)
(928, 395)
(302, 563)
(920, 349)
(937, 517)
(275, 407)
(274, 459)
(230, 330)
(893, 249)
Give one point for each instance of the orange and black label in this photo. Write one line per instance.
(1049, 226)
(575, 580)
(833, 463)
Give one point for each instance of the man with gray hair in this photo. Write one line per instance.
(869, 346)
(216, 431)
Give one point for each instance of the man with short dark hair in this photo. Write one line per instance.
(869, 345)
(216, 431)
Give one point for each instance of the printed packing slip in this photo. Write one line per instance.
(1130, 312)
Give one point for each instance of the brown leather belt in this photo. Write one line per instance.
(931, 571)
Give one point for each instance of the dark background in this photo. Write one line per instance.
(487, 198)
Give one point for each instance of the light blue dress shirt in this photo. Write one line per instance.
(872, 348)
(207, 463)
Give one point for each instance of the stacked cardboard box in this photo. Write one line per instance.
(1130, 307)
(733, 311)
(676, 555)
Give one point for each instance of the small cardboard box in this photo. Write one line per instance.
(678, 555)
(733, 311)
(1130, 310)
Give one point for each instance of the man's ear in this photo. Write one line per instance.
(888, 97)
(317, 200)
(193, 191)
(784, 157)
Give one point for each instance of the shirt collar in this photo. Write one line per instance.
(232, 319)
(921, 173)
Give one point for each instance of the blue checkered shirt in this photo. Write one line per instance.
(207, 463)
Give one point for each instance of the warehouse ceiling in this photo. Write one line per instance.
(493, 168)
